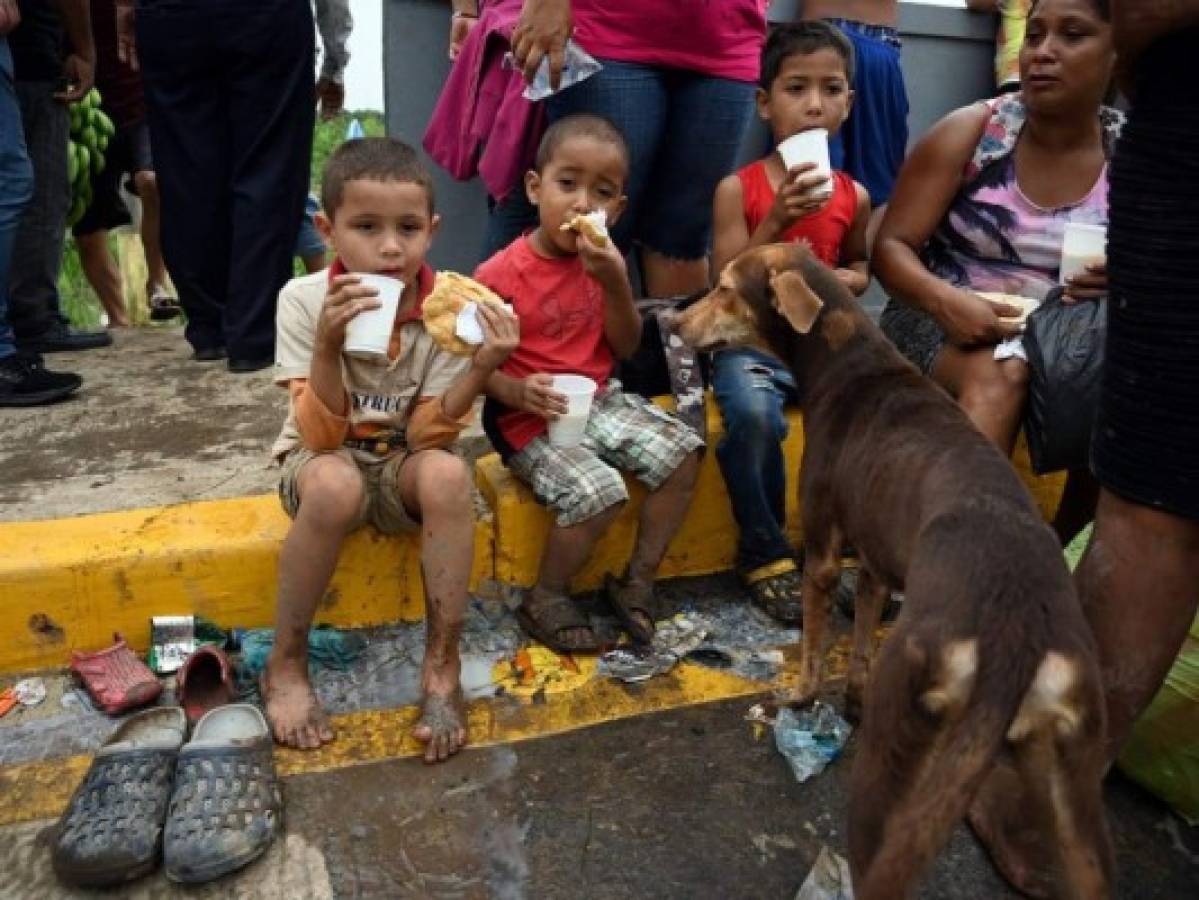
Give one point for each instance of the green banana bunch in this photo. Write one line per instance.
(91, 130)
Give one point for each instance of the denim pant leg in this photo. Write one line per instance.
(37, 252)
(16, 186)
(751, 390)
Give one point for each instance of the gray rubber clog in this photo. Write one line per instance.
(227, 806)
(112, 829)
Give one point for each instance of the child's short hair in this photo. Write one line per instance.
(372, 159)
(803, 38)
(580, 125)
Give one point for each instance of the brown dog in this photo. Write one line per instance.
(991, 659)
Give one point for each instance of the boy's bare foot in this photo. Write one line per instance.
(442, 725)
(294, 713)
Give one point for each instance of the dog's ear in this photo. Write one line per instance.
(796, 301)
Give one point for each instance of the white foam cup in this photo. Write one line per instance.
(1082, 245)
(567, 430)
(809, 147)
(369, 332)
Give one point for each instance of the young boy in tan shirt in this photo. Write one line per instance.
(366, 437)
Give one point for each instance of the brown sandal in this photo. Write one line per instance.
(627, 599)
(547, 618)
(777, 589)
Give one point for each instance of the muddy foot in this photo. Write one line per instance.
(442, 725)
(294, 713)
(999, 817)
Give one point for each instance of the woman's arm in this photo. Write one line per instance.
(928, 182)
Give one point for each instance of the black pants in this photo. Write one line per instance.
(229, 93)
(1146, 445)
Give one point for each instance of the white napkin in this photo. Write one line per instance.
(467, 327)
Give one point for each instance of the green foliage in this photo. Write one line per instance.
(79, 302)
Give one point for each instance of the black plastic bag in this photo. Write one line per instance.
(1064, 344)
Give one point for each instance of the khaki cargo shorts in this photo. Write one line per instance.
(381, 503)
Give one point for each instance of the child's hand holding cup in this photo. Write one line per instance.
(810, 147)
(368, 333)
(346, 298)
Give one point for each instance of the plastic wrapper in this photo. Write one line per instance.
(577, 65)
(1064, 345)
(828, 880)
(1163, 752)
(810, 738)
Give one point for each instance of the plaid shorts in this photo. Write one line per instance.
(381, 503)
(625, 433)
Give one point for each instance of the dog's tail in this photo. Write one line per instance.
(974, 699)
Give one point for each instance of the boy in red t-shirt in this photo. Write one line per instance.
(807, 69)
(572, 296)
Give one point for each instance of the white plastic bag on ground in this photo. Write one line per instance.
(828, 880)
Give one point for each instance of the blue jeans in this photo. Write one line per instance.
(751, 390)
(683, 130)
(16, 186)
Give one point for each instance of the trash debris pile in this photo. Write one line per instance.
(809, 738)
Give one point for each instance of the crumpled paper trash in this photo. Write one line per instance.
(810, 738)
(673, 639)
(828, 880)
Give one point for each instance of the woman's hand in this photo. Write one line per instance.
(972, 321)
(542, 30)
(461, 25)
(1088, 285)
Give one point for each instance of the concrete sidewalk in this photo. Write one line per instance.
(150, 427)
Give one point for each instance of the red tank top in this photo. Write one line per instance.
(824, 231)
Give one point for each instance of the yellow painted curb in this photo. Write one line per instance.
(40, 790)
(70, 583)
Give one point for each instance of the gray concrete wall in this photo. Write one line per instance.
(947, 61)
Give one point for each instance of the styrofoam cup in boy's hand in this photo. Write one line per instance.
(579, 390)
(1082, 245)
(809, 147)
(369, 332)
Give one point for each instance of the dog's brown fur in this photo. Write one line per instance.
(991, 657)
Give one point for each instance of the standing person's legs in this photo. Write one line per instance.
(34, 309)
(16, 187)
(145, 184)
(102, 274)
(1139, 579)
(706, 122)
(872, 144)
(187, 108)
(270, 46)
(106, 212)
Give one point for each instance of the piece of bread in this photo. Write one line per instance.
(592, 225)
(1025, 304)
(451, 292)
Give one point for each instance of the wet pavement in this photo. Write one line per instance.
(681, 804)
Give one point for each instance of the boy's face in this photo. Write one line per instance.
(582, 176)
(381, 227)
(810, 91)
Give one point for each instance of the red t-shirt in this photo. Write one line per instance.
(824, 231)
(721, 38)
(561, 310)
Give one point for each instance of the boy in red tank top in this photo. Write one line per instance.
(807, 69)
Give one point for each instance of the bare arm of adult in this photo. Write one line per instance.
(126, 16)
(542, 30)
(1136, 24)
(927, 184)
(464, 17)
(79, 68)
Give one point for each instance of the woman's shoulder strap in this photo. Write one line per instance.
(1004, 124)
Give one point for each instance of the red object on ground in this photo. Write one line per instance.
(116, 678)
(204, 682)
